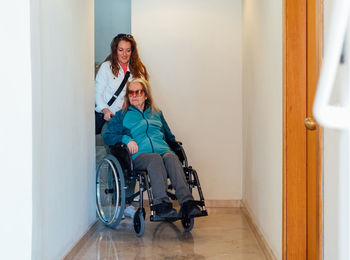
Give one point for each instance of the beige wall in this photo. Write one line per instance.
(63, 124)
(262, 113)
(193, 52)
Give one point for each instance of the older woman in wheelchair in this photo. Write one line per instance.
(143, 148)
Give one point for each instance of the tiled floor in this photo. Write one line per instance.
(224, 234)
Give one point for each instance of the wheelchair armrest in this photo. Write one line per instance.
(121, 152)
(176, 146)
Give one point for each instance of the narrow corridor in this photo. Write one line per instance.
(224, 234)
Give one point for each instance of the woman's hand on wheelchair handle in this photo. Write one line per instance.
(133, 147)
(107, 114)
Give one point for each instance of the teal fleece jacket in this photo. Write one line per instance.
(150, 132)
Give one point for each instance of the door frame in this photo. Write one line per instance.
(302, 148)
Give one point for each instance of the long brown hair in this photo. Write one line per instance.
(137, 69)
(146, 87)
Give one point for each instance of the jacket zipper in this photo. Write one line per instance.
(147, 130)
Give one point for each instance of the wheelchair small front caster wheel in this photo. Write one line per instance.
(139, 223)
(187, 224)
(143, 213)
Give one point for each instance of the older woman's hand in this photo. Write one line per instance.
(107, 114)
(133, 147)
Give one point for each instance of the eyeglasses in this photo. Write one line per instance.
(137, 93)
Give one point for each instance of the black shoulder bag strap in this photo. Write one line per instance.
(116, 94)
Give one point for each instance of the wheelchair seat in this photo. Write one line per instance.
(115, 172)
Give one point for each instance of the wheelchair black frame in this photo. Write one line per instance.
(122, 155)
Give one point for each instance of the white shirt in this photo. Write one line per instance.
(106, 84)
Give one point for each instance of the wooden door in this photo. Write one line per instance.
(302, 203)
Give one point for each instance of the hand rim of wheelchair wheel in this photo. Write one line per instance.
(120, 197)
(139, 223)
(187, 224)
(143, 213)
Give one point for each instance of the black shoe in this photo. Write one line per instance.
(165, 210)
(190, 209)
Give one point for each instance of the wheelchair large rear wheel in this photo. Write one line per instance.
(110, 191)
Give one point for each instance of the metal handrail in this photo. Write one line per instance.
(337, 116)
(327, 115)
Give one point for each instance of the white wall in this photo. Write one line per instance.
(111, 17)
(262, 113)
(334, 141)
(63, 124)
(192, 50)
(16, 131)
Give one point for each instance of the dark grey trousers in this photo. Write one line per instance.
(159, 168)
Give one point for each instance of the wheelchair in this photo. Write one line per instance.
(115, 174)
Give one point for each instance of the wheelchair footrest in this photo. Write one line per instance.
(201, 204)
(204, 214)
(155, 217)
(158, 218)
